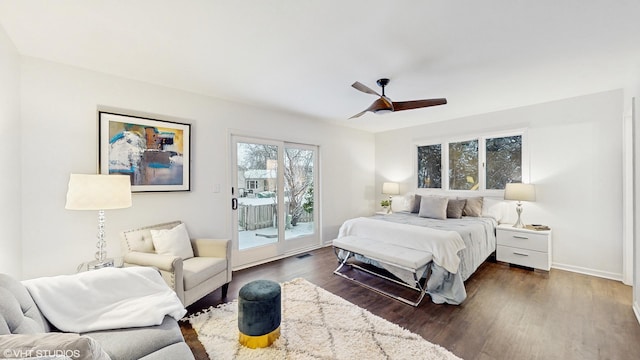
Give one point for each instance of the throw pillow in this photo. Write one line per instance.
(493, 208)
(58, 345)
(416, 204)
(434, 207)
(174, 242)
(473, 207)
(455, 208)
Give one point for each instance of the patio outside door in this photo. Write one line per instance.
(274, 199)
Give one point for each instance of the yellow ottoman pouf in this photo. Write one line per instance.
(259, 313)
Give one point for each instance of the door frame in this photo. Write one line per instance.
(282, 248)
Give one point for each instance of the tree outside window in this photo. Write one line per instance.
(500, 163)
(504, 161)
(430, 166)
(463, 165)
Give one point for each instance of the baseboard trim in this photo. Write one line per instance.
(636, 310)
(587, 271)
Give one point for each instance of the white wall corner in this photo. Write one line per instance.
(636, 310)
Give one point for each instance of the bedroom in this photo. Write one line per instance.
(45, 100)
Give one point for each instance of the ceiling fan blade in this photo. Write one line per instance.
(358, 114)
(415, 104)
(364, 88)
(380, 104)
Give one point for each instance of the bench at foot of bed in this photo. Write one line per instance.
(411, 260)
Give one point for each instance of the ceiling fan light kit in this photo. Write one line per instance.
(384, 105)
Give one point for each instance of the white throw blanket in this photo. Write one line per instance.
(108, 298)
(444, 245)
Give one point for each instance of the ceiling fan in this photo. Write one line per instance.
(384, 104)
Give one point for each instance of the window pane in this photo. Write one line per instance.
(430, 166)
(463, 165)
(504, 161)
(298, 189)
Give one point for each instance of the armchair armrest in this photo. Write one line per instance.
(162, 262)
(220, 248)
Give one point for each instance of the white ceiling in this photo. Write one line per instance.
(301, 56)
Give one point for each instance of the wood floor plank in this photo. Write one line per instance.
(510, 313)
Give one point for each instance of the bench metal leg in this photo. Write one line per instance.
(420, 288)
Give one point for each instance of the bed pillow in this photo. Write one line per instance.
(493, 208)
(416, 204)
(434, 207)
(174, 242)
(473, 207)
(403, 203)
(455, 208)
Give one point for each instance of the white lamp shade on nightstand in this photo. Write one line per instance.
(98, 192)
(390, 188)
(520, 192)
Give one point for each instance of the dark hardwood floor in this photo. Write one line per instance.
(509, 313)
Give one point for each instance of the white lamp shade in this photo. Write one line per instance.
(391, 188)
(520, 192)
(98, 192)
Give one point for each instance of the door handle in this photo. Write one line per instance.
(234, 203)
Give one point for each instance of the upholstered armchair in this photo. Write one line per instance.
(205, 267)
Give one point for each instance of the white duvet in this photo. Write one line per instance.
(444, 245)
(108, 298)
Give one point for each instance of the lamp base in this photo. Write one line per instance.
(98, 264)
(519, 224)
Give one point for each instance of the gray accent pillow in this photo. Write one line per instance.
(434, 207)
(473, 207)
(416, 204)
(455, 208)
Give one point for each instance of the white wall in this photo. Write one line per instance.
(59, 122)
(10, 245)
(575, 161)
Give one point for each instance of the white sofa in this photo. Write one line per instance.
(25, 331)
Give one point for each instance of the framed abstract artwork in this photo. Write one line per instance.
(155, 154)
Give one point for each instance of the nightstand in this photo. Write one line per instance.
(524, 247)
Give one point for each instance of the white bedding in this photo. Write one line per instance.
(443, 245)
(108, 298)
(473, 237)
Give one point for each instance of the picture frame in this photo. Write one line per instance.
(156, 154)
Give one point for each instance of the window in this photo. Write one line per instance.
(463, 165)
(430, 166)
(252, 184)
(504, 161)
(482, 163)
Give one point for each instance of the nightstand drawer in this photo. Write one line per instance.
(530, 258)
(523, 240)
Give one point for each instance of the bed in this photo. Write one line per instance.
(444, 276)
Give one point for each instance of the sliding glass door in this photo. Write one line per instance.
(274, 200)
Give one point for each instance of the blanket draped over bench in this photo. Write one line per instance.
(443, 245)
(445, 283)
(108, 298)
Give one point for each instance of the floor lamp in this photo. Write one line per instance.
(519, 192)
(99, 192)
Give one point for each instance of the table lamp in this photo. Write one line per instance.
(390, 188)
(99, 192)
(519, 192)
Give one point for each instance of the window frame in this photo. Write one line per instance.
(445, 141)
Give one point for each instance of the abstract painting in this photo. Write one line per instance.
(155, 154)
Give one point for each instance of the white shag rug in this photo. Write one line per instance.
(315, 325)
